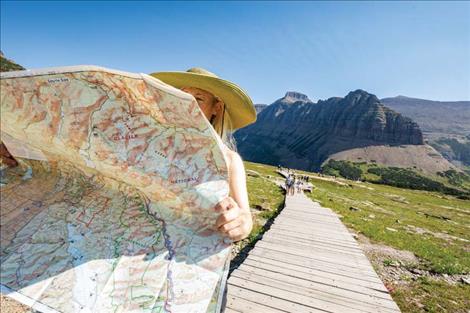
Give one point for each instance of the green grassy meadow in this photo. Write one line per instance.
(264, 195)
(433, 226)
(449, 182)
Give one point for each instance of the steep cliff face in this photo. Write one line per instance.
(296, 132)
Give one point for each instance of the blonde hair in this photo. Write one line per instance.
(222, 124)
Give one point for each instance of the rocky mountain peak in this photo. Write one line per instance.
(294, 96)
(293, 133)
(360, 95)
(260, 107)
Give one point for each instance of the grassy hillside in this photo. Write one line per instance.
(449, 182)
(429, 228)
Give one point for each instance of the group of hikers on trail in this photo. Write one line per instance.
(294, 182)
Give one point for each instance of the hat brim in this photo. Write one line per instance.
(237, 102)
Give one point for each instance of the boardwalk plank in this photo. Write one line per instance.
(229, 310)
(302, 210)
(326, 228)
(316, 249)
(244, 305)
(307, 261)
(312, 240)
(347, 240)
(263, 297)
(312, 225)
(310, 218)
(320, 272)
(333, 258)
(289, 296)
(304, 218)
(329, 283)
(324, 293)
(313, 246)
(311, 230)
(314, 264)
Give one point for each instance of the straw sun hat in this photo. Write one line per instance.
(237, 103)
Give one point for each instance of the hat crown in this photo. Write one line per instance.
(201, 71)
(238, 104)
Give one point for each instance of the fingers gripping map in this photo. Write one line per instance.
(110, 205)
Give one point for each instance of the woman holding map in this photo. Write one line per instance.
(227, 107)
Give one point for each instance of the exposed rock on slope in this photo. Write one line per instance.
(421, 157)
(295, 132)
(293, 96)
(445, 125)
(435, 118)
(260, 107)
(7, 65)
(457, 150)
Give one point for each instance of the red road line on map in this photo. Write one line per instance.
(92, 216)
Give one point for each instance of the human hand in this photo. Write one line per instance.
(233, 222)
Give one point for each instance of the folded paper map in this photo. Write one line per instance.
(110, 205)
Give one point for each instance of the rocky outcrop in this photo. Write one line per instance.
(7, 65)
(260, 107)
(296, 132)
(445, 125)
(293, 96)
(435, 118)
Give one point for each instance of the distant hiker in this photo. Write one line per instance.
(290, 185)
(299, 186)
(294, 185)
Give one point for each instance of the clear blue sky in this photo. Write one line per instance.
(323, 49)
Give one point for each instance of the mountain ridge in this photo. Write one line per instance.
(445, 125)
(303, 134)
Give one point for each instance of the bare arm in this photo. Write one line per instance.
(235, 220)
(238, 182)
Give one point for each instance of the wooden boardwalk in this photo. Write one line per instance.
(307, 262)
